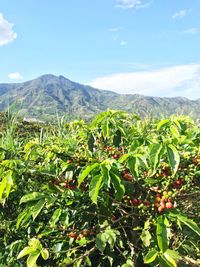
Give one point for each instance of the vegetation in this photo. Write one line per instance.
(47, 95)
(116, 192)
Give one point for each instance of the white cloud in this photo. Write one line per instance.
(127, 4)
(179, 15)
(7, 34)
(115, 29)
(192, 31)
(15, 76)
(123, 43)
(181, 80)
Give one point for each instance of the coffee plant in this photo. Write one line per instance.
(119, 191)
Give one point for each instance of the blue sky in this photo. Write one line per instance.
(128, 46)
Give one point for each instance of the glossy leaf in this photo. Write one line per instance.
(32, 259)
(133, 164)
(150, 256)
(44, 254)
(154, 155)
(186, 221)
(32, 197)
(37, 208)
(86, 172)
(95, 185)
(118, 186)
(55, 217)
(173, 157)
(161, 233)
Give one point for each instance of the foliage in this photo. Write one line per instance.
(106, 194)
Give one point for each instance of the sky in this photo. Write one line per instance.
(149, 47)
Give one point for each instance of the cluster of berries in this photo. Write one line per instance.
(127, 176)
(71, 184)
(177, 183)
(163, 201)
(82, 234)
(135, 201)
(115, 153)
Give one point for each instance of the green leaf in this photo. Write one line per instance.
(188, 222)
(173, 157)
(22, 216)
(133, 163)
(25, 251)
(146, 235)
(174, 131)
(118, 186)
(125, 157)
(167, 261)
(173, 254)
(95, 185)
(86, 172)
(105, 128)
(3, 186)
(111, 237)
(35, 243)
(150, 256)
(135, 144)
(117, 138)
(55, 217)
(32, 258)
(88, 261)
(32, 197)
(37, 208)
(101, 241)
(155, 154)
(105, 171)
(162, 123)
(170, 259)
(45, 253)
(161, 233)
(9, 184)
(129, 263)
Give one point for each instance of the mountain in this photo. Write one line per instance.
(48, 95)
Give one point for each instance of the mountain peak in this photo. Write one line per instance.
(46, 77)
(49, 94)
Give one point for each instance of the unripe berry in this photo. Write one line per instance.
(165, 193)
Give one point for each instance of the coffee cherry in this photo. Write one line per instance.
(80, 236)
(135, 201)
(169, 205)
(158, 199)
(85, 232)
(146, 203)
(160, 209)
(72, 235)
(162, 204)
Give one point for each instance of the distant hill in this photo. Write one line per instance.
(47, 95)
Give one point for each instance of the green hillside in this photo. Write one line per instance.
(47, 95)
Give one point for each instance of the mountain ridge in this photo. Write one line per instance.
(48, 94)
